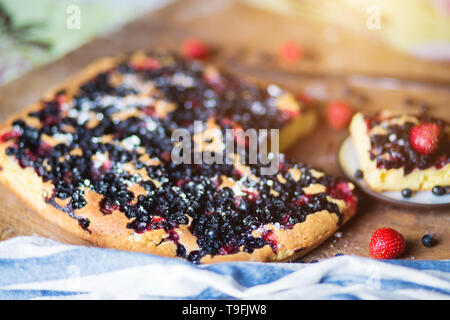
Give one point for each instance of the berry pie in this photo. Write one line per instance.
(95, 158)
(402, 151)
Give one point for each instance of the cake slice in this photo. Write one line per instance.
(402, 151)
(95, 158)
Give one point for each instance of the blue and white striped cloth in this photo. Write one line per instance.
(38, 268)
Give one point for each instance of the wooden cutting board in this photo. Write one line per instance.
(363, 72)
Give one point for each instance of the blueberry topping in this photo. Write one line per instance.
(181, 251)
(194, 257)
(392, 149)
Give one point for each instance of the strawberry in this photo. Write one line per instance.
(303, 199)
(60, 98)
(344, 190)
(251, 196)
(386, 243)
(424, 137)
(9, 135)
(271, 238)
(193, 48)
(290, 51)
(339, 114)
(227, 249)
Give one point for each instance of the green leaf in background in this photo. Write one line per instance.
(33, 32)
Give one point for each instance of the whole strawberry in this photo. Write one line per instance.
(386, 243)
(290, 51)
(193, 48)
(339, 114)
(424, 137)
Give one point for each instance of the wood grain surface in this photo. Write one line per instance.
(364, 72)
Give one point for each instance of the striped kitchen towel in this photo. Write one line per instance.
(38, 268)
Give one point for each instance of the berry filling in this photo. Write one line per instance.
(393, 148)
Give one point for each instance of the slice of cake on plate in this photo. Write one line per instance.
(399, 151)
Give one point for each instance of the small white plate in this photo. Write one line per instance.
(349, 164)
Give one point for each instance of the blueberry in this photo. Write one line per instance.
(80, 203)
(84, 224)
(338, 254)
(428, 240)
(359, 174)
(439, 191)
(181, 251)
(406, 193)
(211, 233)
(10, 151)
(19, 124)
(194, 257)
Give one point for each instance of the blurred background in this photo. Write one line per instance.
(34, 32)
(420, 27)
